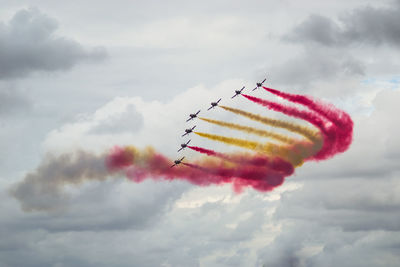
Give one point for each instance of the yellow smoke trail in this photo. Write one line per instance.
(252, 130)
(294, 156)
(292, 127)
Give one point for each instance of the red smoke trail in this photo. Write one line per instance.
(262, 179)
(338, 117)
(275, 163)
(328, 130)
(138, 167)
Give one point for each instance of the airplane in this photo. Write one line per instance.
(192, 116)
(238, 92)
(177, 162)
(183, 146)
(214, 104)
(188, 131)
(259, 85)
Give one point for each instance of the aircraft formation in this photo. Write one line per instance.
(194, 115)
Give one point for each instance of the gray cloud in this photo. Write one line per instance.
(28, 43)
(107, 215)
(367, 25)
(317, 64)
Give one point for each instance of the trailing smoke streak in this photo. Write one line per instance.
(261, 179)
(292, 127)
(294, 154)
(238, 142)
(275, 163)
(156, 166)
(328, 131)
(252, 130)
(341, 119)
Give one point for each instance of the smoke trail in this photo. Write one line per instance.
(328, 131)
(42, 189)
(338, 117)
(156, 166)
(292, 127)
(295, 154)
(238, 142)
(275, 163)
(252, 130)
(261, 179)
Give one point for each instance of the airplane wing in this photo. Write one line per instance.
(173, 165)
(184, 134)
(189, 119)
(264, 80)
(180, 149)
(254, 88)
(197, 113)
(234, 96)
(210, 107)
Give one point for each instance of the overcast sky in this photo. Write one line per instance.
(87, 75)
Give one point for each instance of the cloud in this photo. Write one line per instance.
(28, 43)
(317, 64)
(367, 25)
(129, 120)
(12, 100)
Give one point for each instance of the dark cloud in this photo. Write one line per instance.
(101, 215)
(305, 243)
(317, 64)
(28, 43)
(367, 25)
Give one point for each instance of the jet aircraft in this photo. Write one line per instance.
(238, 92)
(214, 104)
(192, 116)
(259, 85)
(188, 131)
(177, 162)
(184, 145)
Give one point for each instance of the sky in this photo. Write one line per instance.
(83, 76)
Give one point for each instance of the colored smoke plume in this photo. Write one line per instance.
(336, 136)
(262, 166)
(252, 130)
(156, 166)
(243, 158)
(308, 133)
(340, 119)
